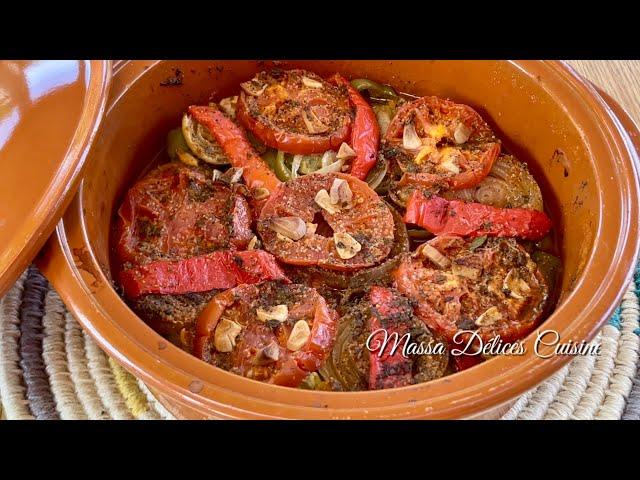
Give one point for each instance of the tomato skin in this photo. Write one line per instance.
(455, 217)
(365, 134)
(369, 220)
(159, 218)
(286, 86)
(233, 141)
(449, 303)
(217, 270)
(461, 181)
(292, 367)
(290, 143)
(477, 154)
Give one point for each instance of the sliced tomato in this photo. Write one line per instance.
(459, 287)
(176, 212)
(282, 366)
(295, 111)
(217, 270)
(256, 172)
(455, 217)
(388, 368)
(365, 133)
(367, 219)
(456, 150)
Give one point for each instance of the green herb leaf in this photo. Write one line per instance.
(477, 242)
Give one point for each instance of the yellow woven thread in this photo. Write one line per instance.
(136, 400)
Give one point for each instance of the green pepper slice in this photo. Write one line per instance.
(375, 89)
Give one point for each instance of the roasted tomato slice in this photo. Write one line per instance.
(176, 212)
(272, 332)
(491, 288)
(382, 344)
(302, 225)
(295, 111)
(439, 143)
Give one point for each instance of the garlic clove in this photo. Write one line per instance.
(268, 354)
(461, 133)
(323, 199)
(293, 228)
(228, 105)
(224, 338)
(345, 152)
(427, 251)
(340, 193)
(410, 139)
(489, 317)
(311, 83)
(277, 312)
(347, 246)
(299, 336)
(260, 193)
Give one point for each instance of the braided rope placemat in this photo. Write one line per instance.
(51, 369)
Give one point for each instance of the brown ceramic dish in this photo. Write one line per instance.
(49, 113)
(575, 145)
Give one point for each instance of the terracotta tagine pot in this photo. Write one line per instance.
(49, 113)
(582, 153)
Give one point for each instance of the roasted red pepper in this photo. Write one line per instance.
(221, 269)
(440, 216)
(462, 362)
(256, 172)
(365, 133)
(389, 368)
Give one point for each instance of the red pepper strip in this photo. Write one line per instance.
(365, 133)
(440, 216)
(222, 269)
(233, 141)
(389, 368)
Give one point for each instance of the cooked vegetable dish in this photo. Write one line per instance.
(310, 232)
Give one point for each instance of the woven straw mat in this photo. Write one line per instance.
(51, 369)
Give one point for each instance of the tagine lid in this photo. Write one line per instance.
(50, 111)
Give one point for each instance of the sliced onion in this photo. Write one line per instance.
(295, 165)
(201, 143)
(468, 194)
(331, 168)
(377, 174)
(310, 163)
(328, 158)
(508, 185)
(384, 115)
